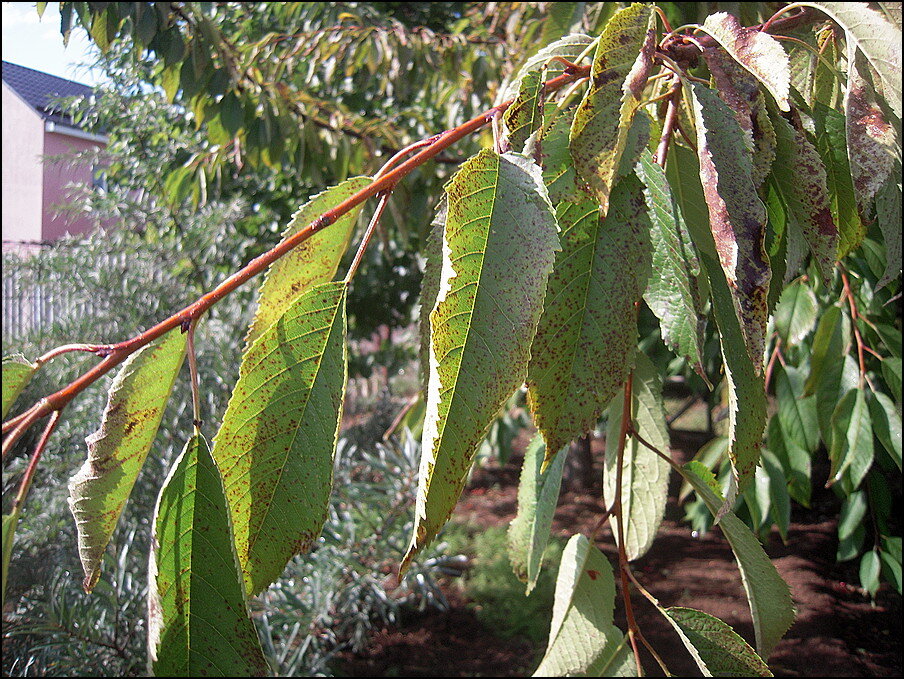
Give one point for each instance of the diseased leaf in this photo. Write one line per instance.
(582, 639)
(525, 115)
(433, 267)
(831, 141)
(10, 522)
(585, 340)
(801, 177)
(312, 262)
(549, 148)
(499, 245)
(538, 493)
(671, 292)
(767, 594)
(870, 138)
(746, 387)
(715, 647)
(17, 373)
(116, 452)
(568, 47)
(879, 40)
(198, 623)
(851, 449)
(888, 214)
(276, 444)
(755, 50)
(737, 216)
(623, 59)
(645, 475)
(833, 335)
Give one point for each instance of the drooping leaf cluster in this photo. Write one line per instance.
(765, 200)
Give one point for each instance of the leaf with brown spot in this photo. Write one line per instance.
(276, 445)
(498, 247)
(198, 623)
(756, 51)
(621, 65)
(116, 452)
(737, 217)
(525, 115)
(584, 348)
(801, 179)
(313, 261)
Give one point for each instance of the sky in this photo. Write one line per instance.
(37, 43)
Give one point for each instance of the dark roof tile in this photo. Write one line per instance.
(39, 89)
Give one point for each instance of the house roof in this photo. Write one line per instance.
(40, 89)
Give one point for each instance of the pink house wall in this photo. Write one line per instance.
(23, 144)
(57, 175)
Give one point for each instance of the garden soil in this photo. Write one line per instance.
(837, 632)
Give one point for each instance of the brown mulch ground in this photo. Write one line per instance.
(838, 632)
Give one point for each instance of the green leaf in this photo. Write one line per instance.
(568, 47)
(538, 493)
(746, 387)
(550, 145)
(767, 593)
(796, 412)
(582, 639)
(17, 373)
(433, 269)
(853, 511)
(116, 452)
(10, 522)
(525, 115)
(795, 313)
(779, 498)
(888, 214)
(232, 117)
(831, 141)
(312, 262)
(198, 623)
(499, 245)
(623, 59)
(830, 343)
(755, 50)
(801, 178)
(870, 565)
(851, 449)
(715, 647)
(891, 373)
(588, 331)
(879, 40)
(891, 561)
(276, 445)
(886, 423)
(671, 292)
(645, 475)
(737, 217)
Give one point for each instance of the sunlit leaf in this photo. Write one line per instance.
(621, 64)
(645, 475)
(525, 115)
(737, 216)
(586, 337)
(276, 444)
(499, 245)
(17, 373)
(198, 622)
(767, 594)
(313, 261)
(715, 647)
(116, 452)
(582, 638)
(755, 50)
(538, 493)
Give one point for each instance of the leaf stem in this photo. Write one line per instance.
(33, 462)
(668, 128)
(374, 220)
(195, 380)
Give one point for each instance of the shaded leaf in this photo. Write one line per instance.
(851, 449)
(888, 214)
(312, 262)
(549, 148)
(886, 423)
(833, 335)
(10, 522)
(621, 64)
(645, 475)
(198, 623)
(671, 292)
(715, 647)
(499, 245)
(116, 452)
(276, 444)
(585, 340)
(17, 373)
(433, 268)
(756, 51)
(767, 594)
(538, 493)
(737, 216)
(796, 411)
(870, 565)
(582, 639)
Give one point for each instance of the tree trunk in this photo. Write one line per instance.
(579, 475)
